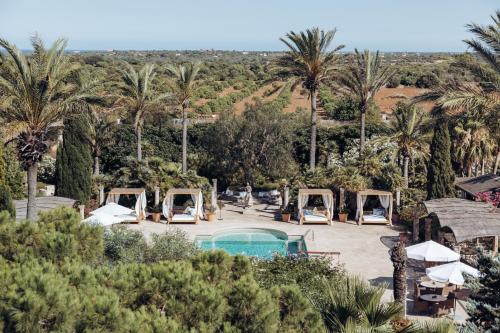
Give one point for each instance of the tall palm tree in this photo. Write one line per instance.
(409, 131)
(185, 78)
(483, 98)
(353, 305)
(363, 79)
(102, 123)
(310, 61)
(139, 96)
(37, 93)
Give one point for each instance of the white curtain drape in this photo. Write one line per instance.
(328, 202)
(199, 205)
(112, 198)
(140, 204)
(360, 204)
(302, 201)
(385, 201)
(167, 205)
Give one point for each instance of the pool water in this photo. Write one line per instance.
(260, 243)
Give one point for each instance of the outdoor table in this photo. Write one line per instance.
(432, 284)
(433, 298)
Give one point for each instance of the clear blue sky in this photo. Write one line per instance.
(388, 25)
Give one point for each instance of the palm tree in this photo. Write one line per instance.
(102, 124)
(139, 96)
(408, 131)
(483, 98)
(352, 305)
(185, 78)
(362, 80)
(37, 93)
(309, 60)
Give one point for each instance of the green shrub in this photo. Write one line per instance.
(6, 203)
(173, 244)
(122, 245)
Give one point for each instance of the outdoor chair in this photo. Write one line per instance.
(420, 307)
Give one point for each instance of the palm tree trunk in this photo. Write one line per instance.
(363, 123)
(32, 180)
(314, 121)
(406, 163)
(497, 162)
(96, 165)
(139, 144)
(184, 141)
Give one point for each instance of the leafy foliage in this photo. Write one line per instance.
(440, 176)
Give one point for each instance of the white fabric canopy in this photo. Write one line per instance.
(113, 198)
(451, 273)
(140, 204)
(385, 201)
(328, 202)
(302, 200)
(168, 204)
(112, 209)
(431, 251)
(360, 204)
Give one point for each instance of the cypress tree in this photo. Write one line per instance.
(6, 202)
(440, 176)
(74, 160)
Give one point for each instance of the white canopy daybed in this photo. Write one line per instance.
(313, 216)
(190, 215)
(113, 213)
(377, 216)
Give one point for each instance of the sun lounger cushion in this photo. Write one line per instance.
(374, 218)
(315, 218)
(308, 212)
(103, 219)
(183, 217)
(190, 211)
(379, 212)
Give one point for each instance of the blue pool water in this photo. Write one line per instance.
(261, 243)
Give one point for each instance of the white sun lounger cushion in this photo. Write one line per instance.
(374, 218)
(315, 218)
(183, 217)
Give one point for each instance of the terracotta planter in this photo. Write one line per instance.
(343, 217)
(211, 217)
(286, 217)
(156, 217)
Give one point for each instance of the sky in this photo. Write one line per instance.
(386, 25)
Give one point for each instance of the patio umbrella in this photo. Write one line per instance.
(451, 272)
(431, 251)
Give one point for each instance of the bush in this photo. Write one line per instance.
(122, 245)
(47, 170)
(344, 109)
(173, 244)
(393, 82)
(6, 203)
(427, 81)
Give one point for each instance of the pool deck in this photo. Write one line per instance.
(363, 249)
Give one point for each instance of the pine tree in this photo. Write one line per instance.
(440, 176)
(484, 308)
(74, 160)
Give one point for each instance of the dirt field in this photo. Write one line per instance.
(387, 98)
(298, 100)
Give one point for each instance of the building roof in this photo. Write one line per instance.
(484, 183)
(467, 219)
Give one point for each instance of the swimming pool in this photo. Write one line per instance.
(260, 243)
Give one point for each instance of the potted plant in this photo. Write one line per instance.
(156, 213)
(286, 213)
(210, 212)
(343, 214)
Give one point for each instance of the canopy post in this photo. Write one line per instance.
(390, 209)
(495, 245)
(286, 196)
(82, 211)
(157, 195)
(398, 198)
